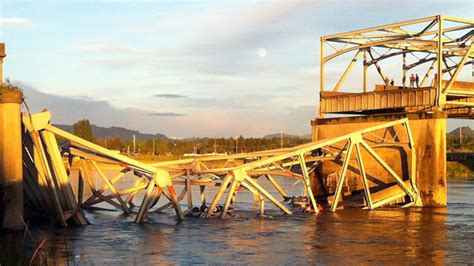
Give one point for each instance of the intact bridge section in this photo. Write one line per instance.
(440, 49)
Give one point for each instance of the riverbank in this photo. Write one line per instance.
(460, 170)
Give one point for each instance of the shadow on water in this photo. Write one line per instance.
(440, 235)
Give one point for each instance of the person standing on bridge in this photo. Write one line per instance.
(417, 80)
(412, 80)
(435, 79)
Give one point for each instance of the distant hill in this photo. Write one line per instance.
(466, 132)
(123, 133)
(289, 136)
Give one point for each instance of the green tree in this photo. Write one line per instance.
(83, 129)
(115, 143)
(241, 144)
(161, 147)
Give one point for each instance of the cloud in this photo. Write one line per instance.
(272, 13)
(102, 47)
(108, 55)
(14, 21)
(169, 96)
(166, 114)
(198, 122)
(223, 40)
(222, 45)
(68, 110)
(251, 27)
(115, 62)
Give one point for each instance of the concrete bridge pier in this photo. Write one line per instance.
(429, 133)
(11, 172)
(11, 168)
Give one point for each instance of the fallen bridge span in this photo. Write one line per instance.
(47, 170)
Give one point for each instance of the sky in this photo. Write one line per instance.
(186, 68)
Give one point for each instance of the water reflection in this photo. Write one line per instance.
(392, 236)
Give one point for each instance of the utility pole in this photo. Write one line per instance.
(460, 138)
(153, 147)
(105, 142)
(236, 144)
(134, 144)
(215, 145)
(281, 138)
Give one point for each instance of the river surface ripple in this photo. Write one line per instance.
(352, 236)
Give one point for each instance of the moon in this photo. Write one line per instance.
(262, 52)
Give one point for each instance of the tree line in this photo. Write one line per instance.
(83, 129)
(454, 143)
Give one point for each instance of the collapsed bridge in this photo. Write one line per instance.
(390, 151)
(48, 183)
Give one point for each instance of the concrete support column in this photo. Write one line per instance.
(11, 171)
(2, 55)
(430, 143)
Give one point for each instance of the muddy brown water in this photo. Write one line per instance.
(351, 236)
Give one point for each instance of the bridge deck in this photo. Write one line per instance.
(397, 99)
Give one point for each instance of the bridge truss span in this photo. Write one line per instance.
(438, 47)
(49, 175)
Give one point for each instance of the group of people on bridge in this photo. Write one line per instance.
(414, 80)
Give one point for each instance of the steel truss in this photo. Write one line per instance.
(444, 42)
(48, 183)
(300, 162)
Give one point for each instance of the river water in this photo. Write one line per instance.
(351, 236)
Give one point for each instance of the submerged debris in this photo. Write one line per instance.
(201, 212)
(194, 212)
(302, 203)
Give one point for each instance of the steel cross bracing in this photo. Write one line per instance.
(48, 180)
(442, 44)
(48, 173)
